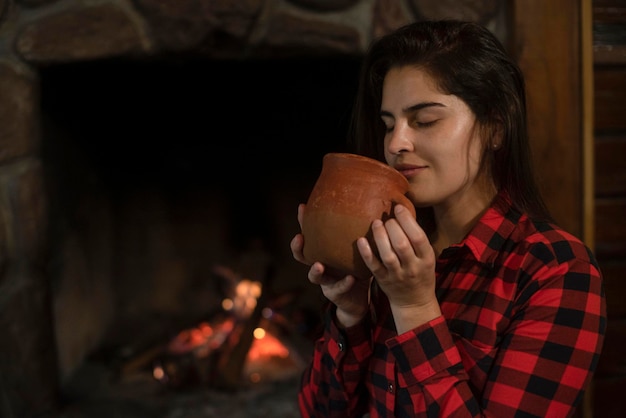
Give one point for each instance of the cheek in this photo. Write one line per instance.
(457, 161)
(466, 151)
(386, 141)
(455, 166)
(386, 153)
(453, 155)
(475, 153)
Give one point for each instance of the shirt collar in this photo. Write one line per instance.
(488, 236)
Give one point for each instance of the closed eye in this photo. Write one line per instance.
(426, 124)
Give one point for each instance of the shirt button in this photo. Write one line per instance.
(390, 387)
(340, 345)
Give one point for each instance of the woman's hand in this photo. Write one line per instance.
(404, 268)
(350, 295)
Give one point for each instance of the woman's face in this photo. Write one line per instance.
(433, 139)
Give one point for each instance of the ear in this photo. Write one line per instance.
(496, 137)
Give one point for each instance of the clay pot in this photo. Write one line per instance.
(351, 192)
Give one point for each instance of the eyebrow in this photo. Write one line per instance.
(413, 108)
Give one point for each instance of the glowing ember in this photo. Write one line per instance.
(204, 352)
(158, 373)
(203, 338)
(266, 346)
(259, 333)
(246, 294)
(228, 304)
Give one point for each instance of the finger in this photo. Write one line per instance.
(296, 245)
(317, 275)
(368, 255)
(416, 235)
(338, 287)
(393, 249)
(400, 242)
(382, 238)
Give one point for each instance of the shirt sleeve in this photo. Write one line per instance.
(545, 358)
(429, 367)
(334, 384)
(551, 349)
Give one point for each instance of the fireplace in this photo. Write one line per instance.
(169, 182)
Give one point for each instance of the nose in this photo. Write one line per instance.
(399, 140)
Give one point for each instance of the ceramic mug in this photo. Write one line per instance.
(350, 192)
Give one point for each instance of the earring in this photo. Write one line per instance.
(495, 146)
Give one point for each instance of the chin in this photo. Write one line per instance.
(420, 200)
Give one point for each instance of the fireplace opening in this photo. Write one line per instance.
(167, 180)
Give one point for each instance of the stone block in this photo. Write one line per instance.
(82, 33)
(19, 104)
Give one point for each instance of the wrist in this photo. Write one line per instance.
(346, 319)
(409, 317)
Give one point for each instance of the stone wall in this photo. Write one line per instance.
(38, 347)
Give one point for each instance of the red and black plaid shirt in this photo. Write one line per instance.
(523, 324)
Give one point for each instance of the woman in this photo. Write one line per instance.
(481, 306)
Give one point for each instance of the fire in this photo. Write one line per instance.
(267, 356)
(246, 294)
(265, 345)
(203, 339)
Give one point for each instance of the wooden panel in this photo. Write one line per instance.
(606, 54)
(609, 11)
(609, 29)
(610, 234)
(610, 165)
(610, 94)
(612, 360)
(614, 274)
(546, 42)
(610, 191)
(608, 397)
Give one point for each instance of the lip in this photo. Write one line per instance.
(409, 170)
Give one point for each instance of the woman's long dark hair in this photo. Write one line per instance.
(467, 60)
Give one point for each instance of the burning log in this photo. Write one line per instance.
(246, 337)
(231, 363)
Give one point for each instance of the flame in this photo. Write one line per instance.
(246, 294)
(204, 338)
(265, 345)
